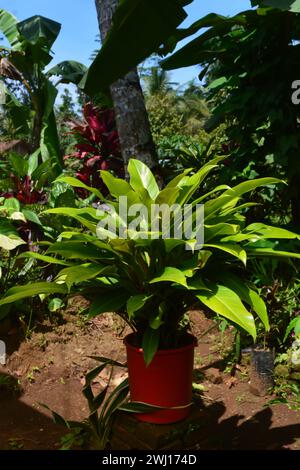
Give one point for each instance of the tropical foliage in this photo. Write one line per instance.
(240, 56)
(24, 63)
(97, 147)
(152, 279)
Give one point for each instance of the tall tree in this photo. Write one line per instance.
(131, 115)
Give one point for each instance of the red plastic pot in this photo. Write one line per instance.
(166, 382)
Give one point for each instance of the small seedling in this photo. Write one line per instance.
(30, 376)
(240, 398)
(15, 443)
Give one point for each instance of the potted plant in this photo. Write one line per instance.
(151, 277)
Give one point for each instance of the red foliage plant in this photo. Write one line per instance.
(98, 147)
(25, 192)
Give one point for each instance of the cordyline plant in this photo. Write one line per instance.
(25, 192)
(26, 178)
(98, 147)
(152, 283)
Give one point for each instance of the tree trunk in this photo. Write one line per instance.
(129, 104)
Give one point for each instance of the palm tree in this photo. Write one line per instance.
(156, 81)
(191, 104)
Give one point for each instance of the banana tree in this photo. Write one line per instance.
(147, 274)
(24, 63)
(121, 52)
(253, 58)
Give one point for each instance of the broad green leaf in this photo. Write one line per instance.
(227, 303)
(190, 184)
(83, 216)
(33, 162)
(241, 237)
(297, 327)
(150, 344)
(171, 274)
(219, 82)
(217, 230)
(31, 216)
(176, 181)
(211, 207)
(234, 250)
(69, 71)
(171, 243)
(222, 187)
(121, 51)
(293, 325)
(198, 51)
(168, 196)
(39, 30)
(75, 183)
(267, 231)
(88, 212)
(117, 187)
(75, 250)
(81, 273)
(212, 19)
(49, 141)
(55, 304)
(267, 252)
(232, 208)
(10, 243)
(7, 229)
(29, 290)
(142, 177)
(110, 301)
(156, 320)
(196, 283)
(247, 295)
(8, 26)
(19, 164)
(12, 205)
(18, 216)
(135, 303)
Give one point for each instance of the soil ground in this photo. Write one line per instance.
(49, 368)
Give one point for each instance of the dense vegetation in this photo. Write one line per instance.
(233, 131)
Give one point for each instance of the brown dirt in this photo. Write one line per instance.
(50, 369)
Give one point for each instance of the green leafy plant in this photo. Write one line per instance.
(287, 372)
(96, 429)
(279, 285)
(20, 230)
(249, 61)
(24, 63)
(294, 326)
(152, 281)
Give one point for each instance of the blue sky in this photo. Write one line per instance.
(80, 27)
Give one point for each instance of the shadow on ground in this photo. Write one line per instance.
(255, 433)
(23, 426)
